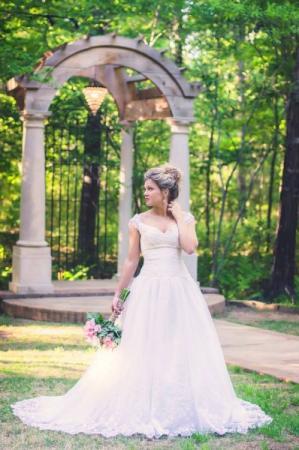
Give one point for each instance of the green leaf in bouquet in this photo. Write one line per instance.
(124, 294)
(99, 319)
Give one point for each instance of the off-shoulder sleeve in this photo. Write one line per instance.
(135, 221)
(189, 218)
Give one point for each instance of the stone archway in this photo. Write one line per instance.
(104, 59)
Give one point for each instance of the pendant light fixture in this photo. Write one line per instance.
(94, 96)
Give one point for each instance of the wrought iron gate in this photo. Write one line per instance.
(82, 173)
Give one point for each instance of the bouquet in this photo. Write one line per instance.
(103, 332)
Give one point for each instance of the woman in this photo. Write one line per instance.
(168, 375)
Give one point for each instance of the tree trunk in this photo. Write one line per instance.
(90, 191)
(242, 169)
(272, 171)
(208, 183)
(283, 270)
(241, 156)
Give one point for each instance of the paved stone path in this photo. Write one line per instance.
(264, 351)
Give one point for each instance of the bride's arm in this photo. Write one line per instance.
(186, 225)
(131, 261)
(187, 235)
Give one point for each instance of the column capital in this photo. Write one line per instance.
(179, 125)
(127, 124)
(35, 119)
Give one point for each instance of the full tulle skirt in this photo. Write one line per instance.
(168, 375)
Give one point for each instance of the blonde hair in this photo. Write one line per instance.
(166, 176)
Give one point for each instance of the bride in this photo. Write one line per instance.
(168, 375)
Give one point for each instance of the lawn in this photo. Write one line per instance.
(270, 320)
(42, 358)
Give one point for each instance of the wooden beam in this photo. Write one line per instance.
(136, 78)
(153, 108)
(144, 94)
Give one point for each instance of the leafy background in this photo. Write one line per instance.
(243, 54)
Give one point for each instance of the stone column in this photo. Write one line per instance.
(125, 194)
(179, 157)
(31, 254)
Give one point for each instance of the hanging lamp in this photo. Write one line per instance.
(94, 96)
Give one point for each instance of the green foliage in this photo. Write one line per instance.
(242, 275)
(81, 272)
(243, 55)
(5, 276)
(10, 145)
(77, 273)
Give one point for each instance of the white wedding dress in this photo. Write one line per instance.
(168, 375)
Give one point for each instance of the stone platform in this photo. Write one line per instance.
(71, 301)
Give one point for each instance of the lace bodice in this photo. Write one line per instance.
(152, 237)
(161, 250)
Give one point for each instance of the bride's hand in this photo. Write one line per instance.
(175, 208)
(117, 305)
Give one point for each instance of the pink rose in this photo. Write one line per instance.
(108, 342)
(91, 328)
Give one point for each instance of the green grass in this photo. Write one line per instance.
(42, 358)
(259, 319)
(282, 326)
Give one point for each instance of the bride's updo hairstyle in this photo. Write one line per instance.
(166, 176)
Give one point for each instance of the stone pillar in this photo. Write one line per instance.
(31, 254)
(125, 194)
(179, 157)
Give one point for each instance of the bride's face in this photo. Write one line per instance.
(153, 195)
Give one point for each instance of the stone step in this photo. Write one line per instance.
(85, 288)
(74, 308)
